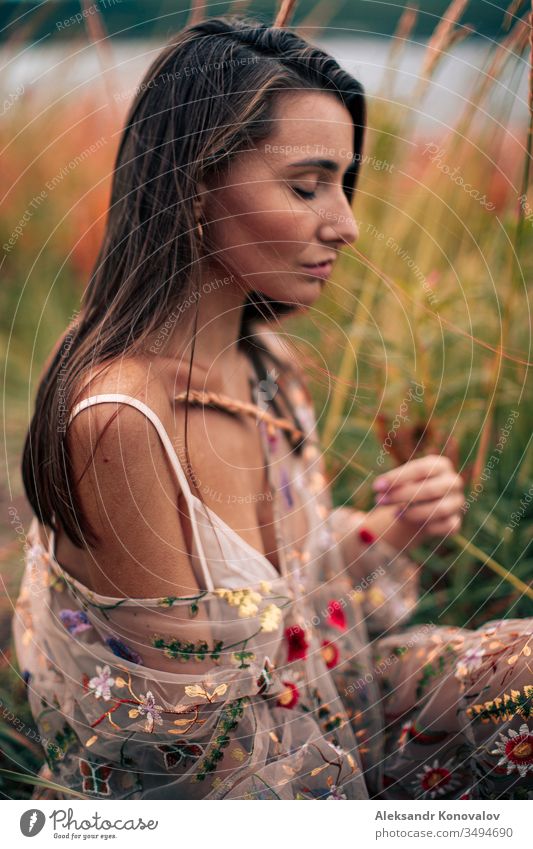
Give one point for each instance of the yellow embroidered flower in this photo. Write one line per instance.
(375, 595)
(270, 618)
(247, 608)
(246, 600)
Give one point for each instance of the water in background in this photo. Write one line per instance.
(63, 70)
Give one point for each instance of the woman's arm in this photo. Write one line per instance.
(129, 494)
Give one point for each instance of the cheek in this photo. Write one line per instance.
(254, 220)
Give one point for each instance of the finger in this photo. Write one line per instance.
(427, 490)
(420, 468)
(432, 510)
(451, 525)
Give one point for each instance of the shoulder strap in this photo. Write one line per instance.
(171, 452)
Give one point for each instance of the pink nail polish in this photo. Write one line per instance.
(379, 484)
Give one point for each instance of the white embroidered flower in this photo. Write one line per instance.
(469, 662)
(436, 779)
(516, 750)
(102, 683)
(336, 793)
(148, 708)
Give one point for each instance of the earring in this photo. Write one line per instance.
(200, 230)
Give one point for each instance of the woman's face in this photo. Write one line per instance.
(270, 215)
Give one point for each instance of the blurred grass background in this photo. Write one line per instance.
(434, 295)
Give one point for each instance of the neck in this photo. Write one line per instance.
(217, 309)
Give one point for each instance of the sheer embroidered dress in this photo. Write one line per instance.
(273, 685)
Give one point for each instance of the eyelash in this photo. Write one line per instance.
(303, 194)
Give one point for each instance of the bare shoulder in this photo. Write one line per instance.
(135, 377)
(132, 378)
(127, 487)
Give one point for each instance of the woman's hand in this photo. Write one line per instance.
(430, 492)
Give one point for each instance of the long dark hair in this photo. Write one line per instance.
(147, 264)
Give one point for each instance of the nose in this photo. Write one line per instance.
(337, 223)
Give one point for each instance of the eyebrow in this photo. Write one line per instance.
(327, 164)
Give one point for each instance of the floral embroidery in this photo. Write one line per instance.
(239, 658)
(504, 707)
(246, 600)
(285, 487)
(436, 779)
(147, 707)
(230, 733)
(336, 793)
(366, 536)
(516, 750)
(231, 714)
(180, 751)
(290, 697)
(122, 650)
(265, 678)
(144, 705)
(170, 600)
(197, 691)
(75, 621)
(271, 435)
(469, 662)
(187, 651)
(298, 645)
(95, 778)
(336, 616)
(332, 791)
(410, 732)
(305, 417)
(270, 618)
(430, 670)
(102, 683)
(330, 653)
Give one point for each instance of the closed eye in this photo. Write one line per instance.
(303, 193)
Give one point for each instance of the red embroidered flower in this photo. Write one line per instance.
(516, 750)
(298, 645)
(437, 779)
(366, 536)
(336, 617)
(330, 653)
(290, 697)
(410, 732)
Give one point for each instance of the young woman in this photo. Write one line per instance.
(196, 620)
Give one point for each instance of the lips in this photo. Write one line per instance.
(321, 269)
(328, 261)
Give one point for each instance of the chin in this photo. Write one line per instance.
(294, 291)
